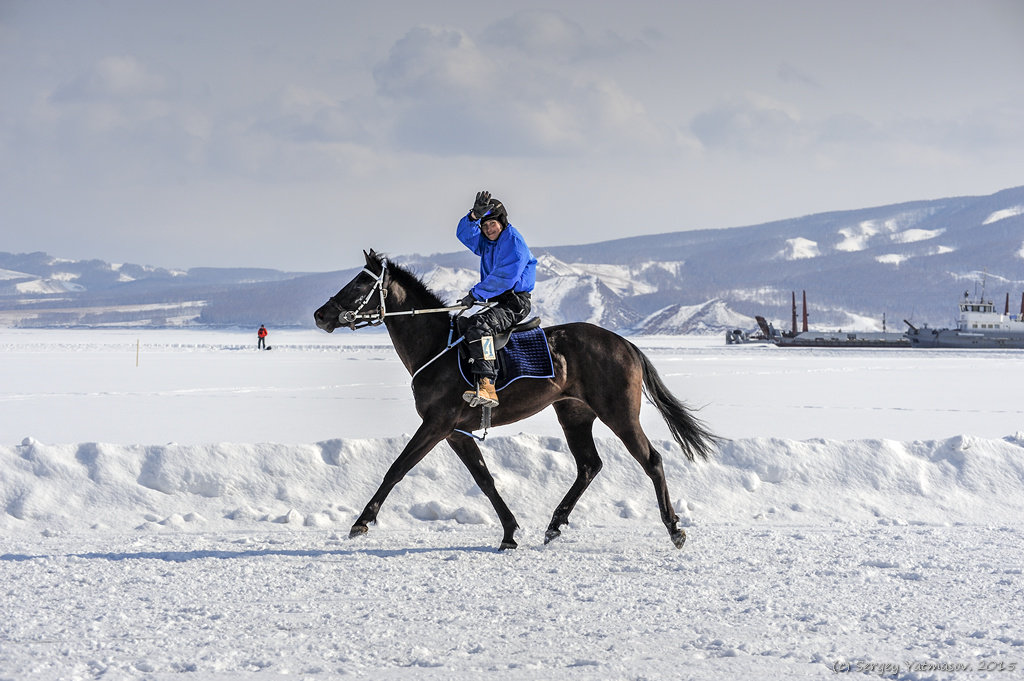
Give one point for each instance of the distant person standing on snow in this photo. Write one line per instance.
(261, 344)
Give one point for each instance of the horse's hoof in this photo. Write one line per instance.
(678, 538)
(508, 544)
(551, 534)
(358, 530)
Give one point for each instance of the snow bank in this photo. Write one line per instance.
(1003, 214)
(799, 249)
(857, 238)
(892, 259)
(51, 488)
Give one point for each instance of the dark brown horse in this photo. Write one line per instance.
(597, 375)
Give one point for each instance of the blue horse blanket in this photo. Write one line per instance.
(526, 355)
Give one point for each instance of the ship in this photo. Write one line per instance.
(809, 338)
(980, 326)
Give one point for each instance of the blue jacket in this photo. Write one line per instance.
(505, 263)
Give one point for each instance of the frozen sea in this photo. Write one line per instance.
(175, 504)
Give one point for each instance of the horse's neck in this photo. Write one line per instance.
(416, 338)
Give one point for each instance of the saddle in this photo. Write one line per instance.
(500, 339)
(522, 352)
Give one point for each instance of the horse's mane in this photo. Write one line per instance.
(405, 278)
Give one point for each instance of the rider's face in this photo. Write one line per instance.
(491, 229)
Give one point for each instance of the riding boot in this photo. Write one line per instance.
(484, 395)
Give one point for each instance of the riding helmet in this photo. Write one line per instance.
(496, 211)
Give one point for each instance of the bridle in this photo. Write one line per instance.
(357, 319)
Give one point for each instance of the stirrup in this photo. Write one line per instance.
(476, 399)
(485, 425)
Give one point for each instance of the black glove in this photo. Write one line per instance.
(482, 204)
(468, 301)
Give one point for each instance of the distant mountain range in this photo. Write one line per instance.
(906, 261)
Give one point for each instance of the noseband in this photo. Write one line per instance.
(357, 319)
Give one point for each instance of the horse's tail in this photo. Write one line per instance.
(689, 431)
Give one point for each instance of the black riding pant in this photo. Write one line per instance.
(511, 308)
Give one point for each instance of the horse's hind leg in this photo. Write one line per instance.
(469, 453)
(629, 431)
(577, 420)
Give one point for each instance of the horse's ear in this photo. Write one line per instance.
(368, 255)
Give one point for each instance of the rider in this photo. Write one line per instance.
(507, 275)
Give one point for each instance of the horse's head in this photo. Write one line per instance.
(360, 302)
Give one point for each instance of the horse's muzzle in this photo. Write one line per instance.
(325, 320)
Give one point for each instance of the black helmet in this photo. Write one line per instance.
(495, 211)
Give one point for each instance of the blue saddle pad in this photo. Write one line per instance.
(526, 355)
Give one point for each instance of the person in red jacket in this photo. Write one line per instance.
(261, 344)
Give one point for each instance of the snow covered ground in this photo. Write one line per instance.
(177, 503)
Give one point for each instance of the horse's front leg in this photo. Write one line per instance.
(423, 440)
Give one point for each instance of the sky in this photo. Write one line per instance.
(294, 135)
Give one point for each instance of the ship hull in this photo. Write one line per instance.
(817, 339)
(954, 338)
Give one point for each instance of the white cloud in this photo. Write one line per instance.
(308, 115)
(543, 34)
(989, 127)
(751, 123)
(549, 36)
(789, 73)
(770, 126)
(848, 129)
(451, 96)
(435, 64)
(114, 121)
(114, 77)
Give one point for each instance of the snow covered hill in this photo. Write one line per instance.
(708, 318)
(906, 261)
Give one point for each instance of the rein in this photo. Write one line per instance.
(451, 344)
(357, 319)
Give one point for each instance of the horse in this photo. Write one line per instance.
(597, 375)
